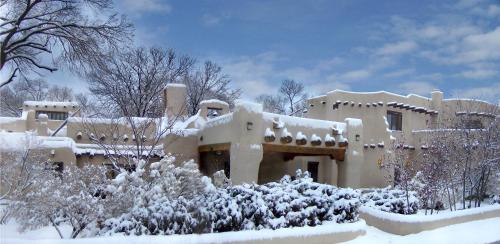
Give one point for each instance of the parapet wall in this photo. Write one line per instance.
(410, 224)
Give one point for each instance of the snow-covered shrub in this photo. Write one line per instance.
(287, 203)
(75, 196)
(168, 202)
(273, 205)
(220, 179)
(495, 200)
(390, 200)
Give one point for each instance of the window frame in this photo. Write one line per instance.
(395, 120)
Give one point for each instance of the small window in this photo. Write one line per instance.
(395, 120)
(312, 168)
(53, 115)
(213, 112)
(57, 167)
(469, 123)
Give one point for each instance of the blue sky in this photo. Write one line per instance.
(359, 45)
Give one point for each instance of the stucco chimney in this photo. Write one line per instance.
(42, 127)
(437, 99)
(175, 100)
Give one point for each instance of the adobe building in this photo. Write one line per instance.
(340, 141)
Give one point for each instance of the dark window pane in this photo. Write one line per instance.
(395, 120)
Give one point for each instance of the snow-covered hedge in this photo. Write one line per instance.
(390, 200)
(287, 203)
(495, 199)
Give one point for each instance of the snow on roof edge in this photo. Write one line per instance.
(379, 92)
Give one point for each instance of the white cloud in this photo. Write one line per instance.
(481, 71)
(421, 88)
(252, 74)
(489, 93)
(259, 74)
(397, 48)
(137, 8)
(480, 47)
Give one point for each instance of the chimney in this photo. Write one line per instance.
(175, 100)
(437, 99)
(42, 128)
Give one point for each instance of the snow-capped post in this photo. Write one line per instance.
(246, 150)
(350, 170)
(42, 127)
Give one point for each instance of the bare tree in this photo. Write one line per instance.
(133, 82)
(60, 93)
(273, 104)
(294, 94)
(10, 102)
(290, 100)
(208, 83)
(20, 170)
(13, 96)
(463, 153)
(400, 164)
(32, 89)
(61, 29)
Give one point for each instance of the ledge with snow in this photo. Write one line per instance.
(411, 224)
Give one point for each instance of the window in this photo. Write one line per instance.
(213, 112)
(53, 115)
(57, 167)
(395, 120)
(312, 168)
(472, 124)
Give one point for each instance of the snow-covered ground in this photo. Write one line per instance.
(9, 234)
(481, 231)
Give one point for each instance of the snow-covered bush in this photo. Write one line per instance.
(273, 205)
(75, 196)
(390, 200)
(165, 203)
(495, 200)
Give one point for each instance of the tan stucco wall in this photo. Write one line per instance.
(243, 130)
(400, 226)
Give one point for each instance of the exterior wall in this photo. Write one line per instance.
(405, 225)
(362, 119)
(372, 107)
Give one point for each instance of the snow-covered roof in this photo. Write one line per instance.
(5, 120)
(249, 106)
(305, 122)
(95, 149)
(50, 103)
(219, 120)
(18, 141)
(175, 85)
(379, 92)
(216, 101)
(121, 120)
